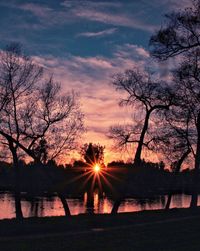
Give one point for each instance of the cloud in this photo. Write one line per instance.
(170, 5)
(98, 68)
(98, 34)
(110, 12)
(114, 19)
(36, 9)
(136, 15)
(132, 50)
(94, 62)
(46, 15)
(142, 52)
(92, 77)
(91, 4)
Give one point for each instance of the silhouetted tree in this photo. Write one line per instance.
(174, 137)
(79, 163)
(54, 119)
(181, 36)
(40, 151)
(18, 74)
(174, 141)
(145, 95)
(93, 153)
(38, 119)
(188, 78)
(119, 163)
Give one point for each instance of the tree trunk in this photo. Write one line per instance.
(197, 158)
(18, 208)
(19, 215)
(177, 170)
(90, 201)
(32, 155)
(169, 198)
(194, 199)
(116, 206)
(137, 159)
(120, 193)
(59, 193)
(65, 205)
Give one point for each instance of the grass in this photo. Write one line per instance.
(173, 230)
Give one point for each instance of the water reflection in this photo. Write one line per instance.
(98, 203)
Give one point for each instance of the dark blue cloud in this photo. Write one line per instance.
(62, 27)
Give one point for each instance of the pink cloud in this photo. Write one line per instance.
(114, 19)
(37, 10)
(98, 34)
(91, 78)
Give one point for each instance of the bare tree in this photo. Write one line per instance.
(93, 153)
(174, 139)
(52, 127)
(179, 35)
(53, 119)
(18, 75)
(185, 120)
(38, 119)
(188, 78)
(145, 96)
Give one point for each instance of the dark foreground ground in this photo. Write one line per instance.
(176, 229)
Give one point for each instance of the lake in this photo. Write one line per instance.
(51, 206)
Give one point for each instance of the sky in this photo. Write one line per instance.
(83, 44)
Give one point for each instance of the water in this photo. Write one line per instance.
(45, 206)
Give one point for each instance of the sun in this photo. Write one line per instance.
(97, 168)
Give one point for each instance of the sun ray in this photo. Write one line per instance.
(99, 182)
(107, 182)
(87, 179)
(111, 175)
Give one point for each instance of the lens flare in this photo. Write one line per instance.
(97, 168)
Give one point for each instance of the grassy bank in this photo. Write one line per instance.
(177, 229)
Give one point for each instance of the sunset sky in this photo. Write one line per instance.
(83, 43)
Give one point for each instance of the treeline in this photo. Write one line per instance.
(148, 180)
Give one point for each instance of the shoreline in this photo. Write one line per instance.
(83, 232)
